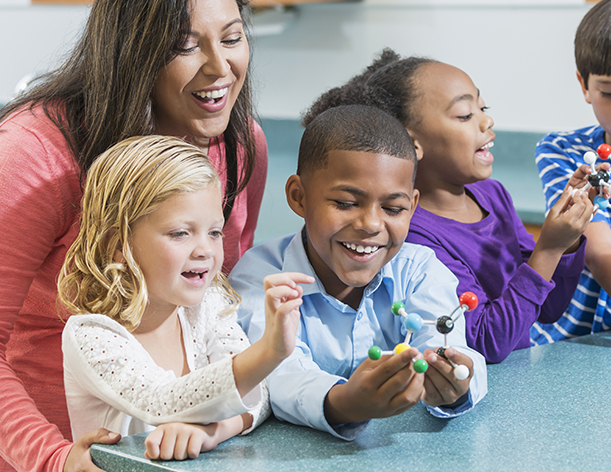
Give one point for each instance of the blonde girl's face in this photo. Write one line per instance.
(179, 248)
(454, 132)
(195, 93)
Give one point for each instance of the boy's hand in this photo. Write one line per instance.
(282, 302)
(580, 178)
(441, 387)
(377, 389)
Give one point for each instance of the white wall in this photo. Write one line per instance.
(33, 39)
(519, 53)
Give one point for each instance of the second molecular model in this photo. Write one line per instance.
(444, 325)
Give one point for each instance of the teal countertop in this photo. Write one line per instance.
(547, 409)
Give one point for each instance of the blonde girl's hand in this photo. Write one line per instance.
(79, 457)
(283, 297)
(180, 441)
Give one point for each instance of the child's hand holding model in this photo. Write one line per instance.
(155, 341)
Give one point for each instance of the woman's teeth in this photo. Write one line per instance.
(213, 94)
(361, 249)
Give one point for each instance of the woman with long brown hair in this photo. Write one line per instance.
(173, 67)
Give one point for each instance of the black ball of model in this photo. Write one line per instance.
(445, 324)
(595, 179)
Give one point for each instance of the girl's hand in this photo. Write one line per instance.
(282, 302)
(566, 221)
(180, 441)
(560, 233)
(79, 458)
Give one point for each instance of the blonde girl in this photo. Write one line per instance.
(155, 341)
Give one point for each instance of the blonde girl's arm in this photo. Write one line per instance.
(283, 297)
(107, 362)
(103, 360)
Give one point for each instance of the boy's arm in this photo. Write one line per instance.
(298, 387)
(598, 253)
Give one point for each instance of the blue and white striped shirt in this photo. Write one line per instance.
(558, 155)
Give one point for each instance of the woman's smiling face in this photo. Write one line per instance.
(195, 93)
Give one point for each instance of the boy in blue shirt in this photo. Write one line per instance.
(558, 155)
(355, 190)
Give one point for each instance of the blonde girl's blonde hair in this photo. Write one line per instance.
(128, 181)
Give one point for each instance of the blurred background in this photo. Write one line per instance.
(518, 52)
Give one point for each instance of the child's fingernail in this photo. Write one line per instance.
(113, 435)
(434, 358)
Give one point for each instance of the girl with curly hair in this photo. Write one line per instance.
(155, 340)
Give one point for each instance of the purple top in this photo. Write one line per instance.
(489, 259)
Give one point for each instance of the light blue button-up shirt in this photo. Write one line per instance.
(333, 338)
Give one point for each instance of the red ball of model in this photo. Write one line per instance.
(469, 299)
(604, 150)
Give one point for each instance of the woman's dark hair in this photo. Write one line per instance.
(102, 93)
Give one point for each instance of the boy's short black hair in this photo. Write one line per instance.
(353, 128)
(593, 42)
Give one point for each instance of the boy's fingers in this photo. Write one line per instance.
(459, 358)
(394, 373)
(409, 396)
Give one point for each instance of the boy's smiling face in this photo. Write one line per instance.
(357, 212)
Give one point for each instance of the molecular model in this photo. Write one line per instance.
(598, 179)
(444, 324)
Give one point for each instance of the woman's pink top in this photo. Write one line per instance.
(40, 194)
